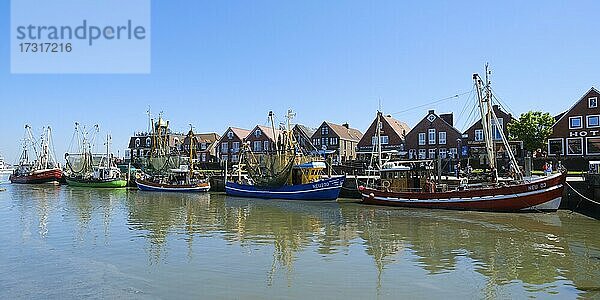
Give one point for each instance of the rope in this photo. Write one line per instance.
(581, 195)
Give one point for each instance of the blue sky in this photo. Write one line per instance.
(217, 64)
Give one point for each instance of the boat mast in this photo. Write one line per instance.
(486, 110)
(191, 149)
(273, 128)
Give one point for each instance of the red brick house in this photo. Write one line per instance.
(263, 139)
(473, 137)
(393, 134)
(229, 145)
(302, 134)
(577, 131)
(337, 140)
(204, 147)
(434, 135)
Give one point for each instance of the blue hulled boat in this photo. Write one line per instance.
(326, 189)
(282, 170)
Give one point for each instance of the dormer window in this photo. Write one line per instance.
(257, 133)
(230, 135)
(148, 142)
(137, 143)
(593, 102)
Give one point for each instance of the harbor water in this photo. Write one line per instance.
(60, 242)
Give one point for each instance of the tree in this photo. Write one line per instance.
(533, 128)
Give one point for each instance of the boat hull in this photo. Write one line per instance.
(544, 194)
(326, 189)
(187, 188)
(40, 176)
(116, 183)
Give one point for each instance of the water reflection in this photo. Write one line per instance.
(495, 254)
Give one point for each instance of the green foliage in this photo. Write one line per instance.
(533, 128)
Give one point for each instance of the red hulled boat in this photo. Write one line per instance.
(44, 169)
(539, 194)
(412, 183)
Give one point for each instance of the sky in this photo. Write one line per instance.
(227, 63)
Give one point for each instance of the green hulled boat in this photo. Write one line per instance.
(116, 183)
(86, 169)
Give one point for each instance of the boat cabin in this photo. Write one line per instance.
(409, 176)
(307, 172)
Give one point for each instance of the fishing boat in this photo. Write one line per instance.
(283, 172)
(412, 183)
(5, 171)
(160, 174)
(86, 169)
(44, 168)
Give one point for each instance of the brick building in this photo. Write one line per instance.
(393, 134)
(434, 135)
(339, 141)
(229, 145)
(263, 139)
(577, 131)
(474, 140)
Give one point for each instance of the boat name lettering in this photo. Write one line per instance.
(536, 186)
(320, 185)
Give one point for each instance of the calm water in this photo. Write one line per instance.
(61, 242)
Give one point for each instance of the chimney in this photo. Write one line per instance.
(431, 111)
(346, 125)
(449, 118)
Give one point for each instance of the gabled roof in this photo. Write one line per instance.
(495, 107)
(575, 104)
(345, 133)
(239, 132)
(268, 131)
(307, 131)
(207, 137)
(398, 126)
(431, 112)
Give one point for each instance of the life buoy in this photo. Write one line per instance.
(386, 184)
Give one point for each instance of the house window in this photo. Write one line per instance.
(442, 138)
(224, 157)
(137, 143)
(592, 146)
(235, 147)
(593, 102)
(333, 141)
(204, 157)
(431, 136)
(442, 153)
(422, 153)
(257, 133)
(202, 146)
(412, 153)
(496, 129)
(431, 153)
(452, 152)
(148, 141)
(324, 141)
(478, 135)
(556, 146)
(324, 130)
(257, 146)
(316, 142)
(230, 135)
(593, 121)
(574, 146)
(384, 140)
(266, 145)
(224, 147)
(575, 122)
(421, 138)
(234, 158)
